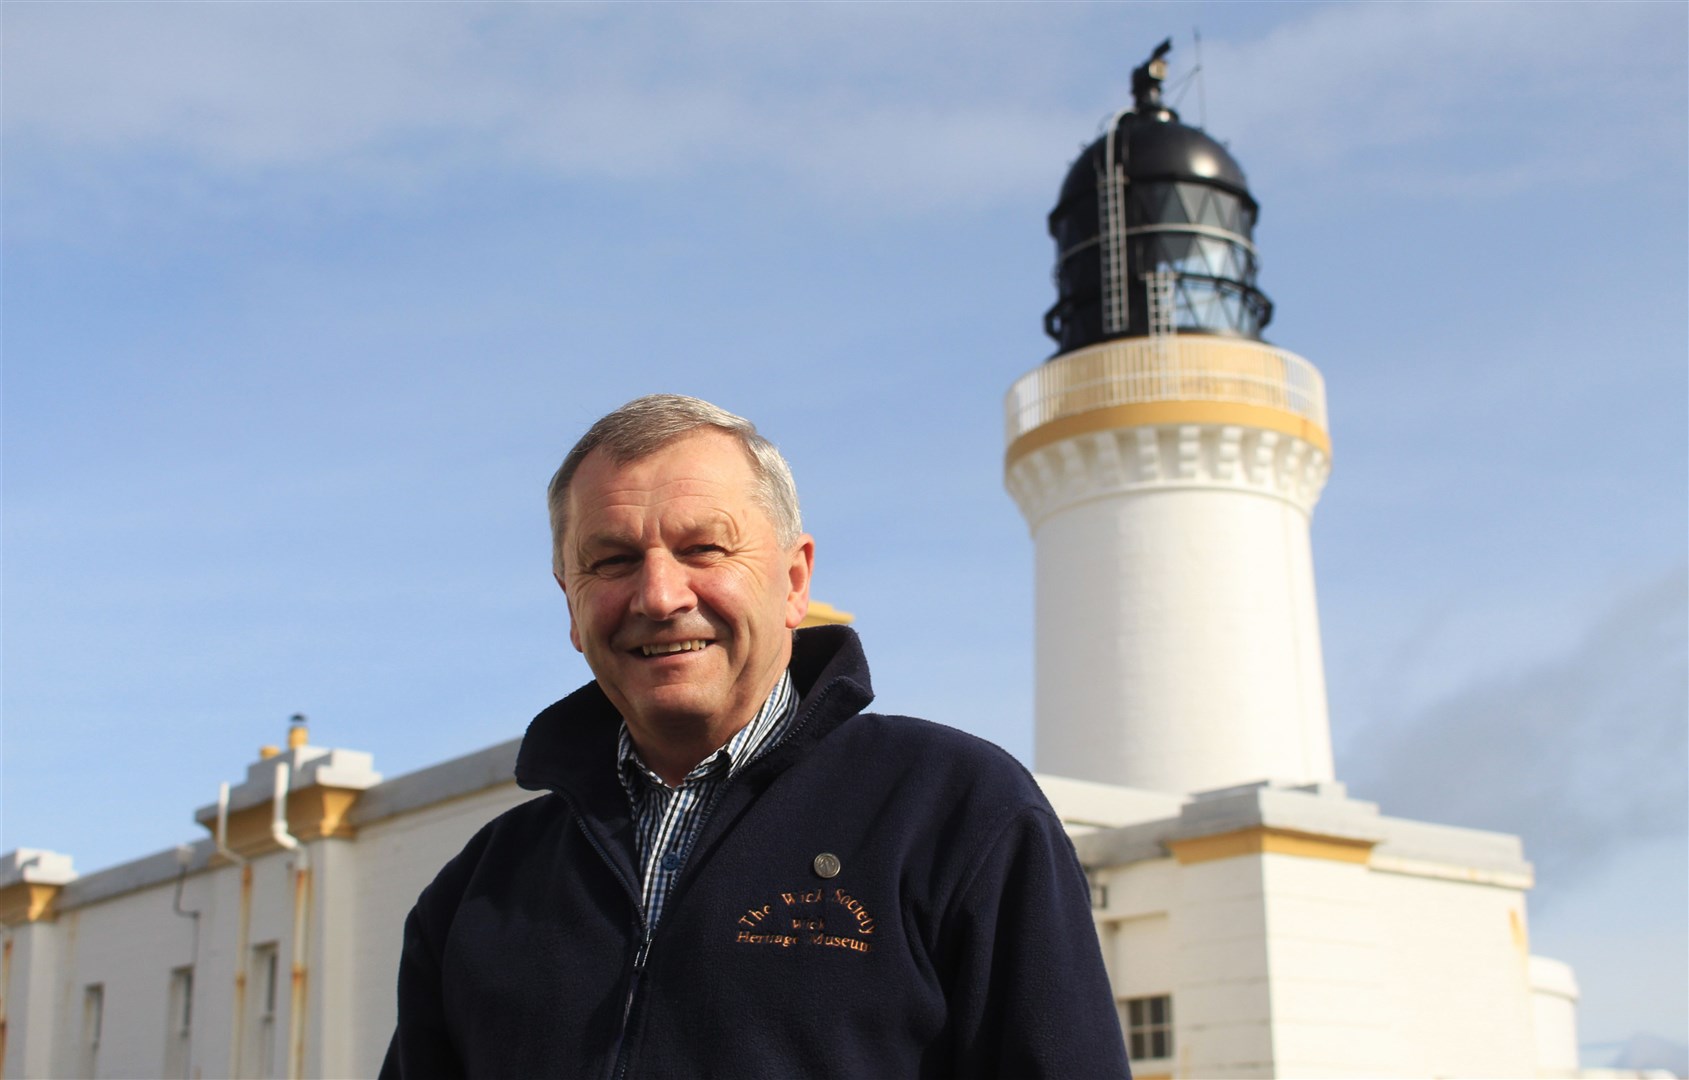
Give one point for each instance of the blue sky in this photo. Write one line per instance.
(303, 303)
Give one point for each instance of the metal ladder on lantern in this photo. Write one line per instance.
(1117, 304)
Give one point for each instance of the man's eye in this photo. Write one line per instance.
(610, 563)
(704, 550)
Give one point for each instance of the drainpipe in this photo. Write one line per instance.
(184, 859)
(5, 988)
(301, 919)
(245, 924)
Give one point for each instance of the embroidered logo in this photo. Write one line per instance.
(809, 918)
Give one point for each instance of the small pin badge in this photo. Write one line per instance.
(827, 865)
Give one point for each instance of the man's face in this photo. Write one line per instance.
(680, 595)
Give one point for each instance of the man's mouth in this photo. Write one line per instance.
(668, 647)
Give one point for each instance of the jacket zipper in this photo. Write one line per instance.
(643, 952)
(620, 1068)
(621, 1063)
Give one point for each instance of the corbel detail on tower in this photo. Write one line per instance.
(1227, 451)
(1190, 451)
(1149, 454)
(1074, 465)
(1261, 460)
(1167, 457)
(1110, 468)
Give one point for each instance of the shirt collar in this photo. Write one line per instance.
(728, 758)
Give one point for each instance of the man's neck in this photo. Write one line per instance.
(673, 751)
(673, 756)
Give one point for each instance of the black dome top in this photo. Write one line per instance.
(1154, 201)
(1157, 148)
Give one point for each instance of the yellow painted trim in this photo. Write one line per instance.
(320, 813)
(824, 614)
(27, 902)
(1263, 840)
(313, 813)
(1153, 1076)
(1146, 413)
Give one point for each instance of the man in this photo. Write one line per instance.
(736, 871)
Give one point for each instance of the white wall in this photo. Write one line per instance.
(1172, 585)
(1325, 945)
(129, 945)
(1221, 998)
(129, 940)
(1282, 965)
(31, 999)
(1554, 998)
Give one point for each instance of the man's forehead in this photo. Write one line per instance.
(700, 480)
(627, 522)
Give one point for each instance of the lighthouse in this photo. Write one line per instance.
(1167, 460)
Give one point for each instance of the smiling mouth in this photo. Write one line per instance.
(668, 648)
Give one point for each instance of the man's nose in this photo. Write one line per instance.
(664, 588)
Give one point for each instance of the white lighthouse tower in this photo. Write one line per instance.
(1257, 920)
(1167, 462)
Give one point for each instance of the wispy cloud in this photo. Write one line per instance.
(1413, 97)
(887, 105)
(1582, 755)
(842, 100)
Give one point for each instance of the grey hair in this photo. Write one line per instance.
(645, 425)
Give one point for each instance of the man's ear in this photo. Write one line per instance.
(799, 570)
(574, 634)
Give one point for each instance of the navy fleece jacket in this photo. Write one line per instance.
(954, 939)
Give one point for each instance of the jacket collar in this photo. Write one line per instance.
(570, 747)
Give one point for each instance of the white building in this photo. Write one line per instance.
(1257, 921)
(1261, 930)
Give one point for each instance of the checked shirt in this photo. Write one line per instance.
(666, 820)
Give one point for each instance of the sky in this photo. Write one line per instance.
(303, 303)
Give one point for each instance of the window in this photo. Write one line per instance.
(1149, 1026)
(93, 1019)
(178, 1030)
(261, 1011)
